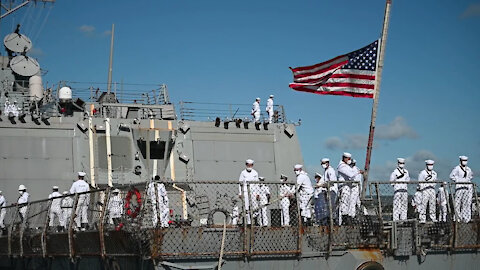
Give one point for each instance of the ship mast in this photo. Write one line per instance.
(109, 85)
(383, 43)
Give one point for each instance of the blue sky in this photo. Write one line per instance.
(234, 51)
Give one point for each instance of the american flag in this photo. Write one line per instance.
(352, 74)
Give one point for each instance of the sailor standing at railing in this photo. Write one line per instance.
(256, 110)
(3, 211)
(347, 175)
(442, 200)
(246, 176)
(81, 215)
(67, 206)
(305, 192)
(463, 192)
(330, 175)
(355, 190)
(285, 191)
(417, 201)
(22, 202)
(262, 195)
(319, 199)
(55, 209)
(269, 109)
(115, 207)
(428, 192)
(400, 194)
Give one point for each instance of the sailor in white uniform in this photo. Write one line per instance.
(262, 195)
(400, 195)
(246, 176)
(442, 200)
(286, 191)
(429, 193)
(55, 207)
(269, 109)
(81, 215)
(115, 207)
(22, 202)
(3, 211)
(67, 206)
(330, 175)
(417, 201)
(463, 192)
(347, 175)
(305, 192)
(256, 110)
(355, 190)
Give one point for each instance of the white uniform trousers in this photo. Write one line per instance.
(463, 203)
(306, 211)
(285, 206)
(55, 212)
(81, 211)
(429, 199)
(2, 217)
(400, 205)
(345, 200)
(354, 200)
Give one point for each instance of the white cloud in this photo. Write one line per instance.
(88, 29)
(395, 130)
(471, 11)
(349, 142)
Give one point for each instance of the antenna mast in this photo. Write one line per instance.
(109, 86)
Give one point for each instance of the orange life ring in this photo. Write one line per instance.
(133, 212)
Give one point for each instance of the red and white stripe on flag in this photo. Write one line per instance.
(352, 74)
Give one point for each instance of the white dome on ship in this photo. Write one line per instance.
(65, 93)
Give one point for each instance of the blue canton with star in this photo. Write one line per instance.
(364, 58)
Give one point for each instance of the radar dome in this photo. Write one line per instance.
(65, 94)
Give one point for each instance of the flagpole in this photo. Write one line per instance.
(386, 21)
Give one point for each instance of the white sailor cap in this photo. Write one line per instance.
(345, 154)
(257, 98)
(318, 175)
(55, 187)
(429, 162)
(261, 178)
(401, 160)
(65, 192)
(116, 190)
(249, 161)
(283, 176)
(324, 160)
(81, 174)
(298, 166)
(0, 192)
(271, 96)
(463, 157)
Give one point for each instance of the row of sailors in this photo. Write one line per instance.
(426, 195)
(260, 194)
(61, 208)
(344, 208)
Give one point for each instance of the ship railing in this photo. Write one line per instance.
(147, 94)
(440, 226)
(209, 111)
(173, 219)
